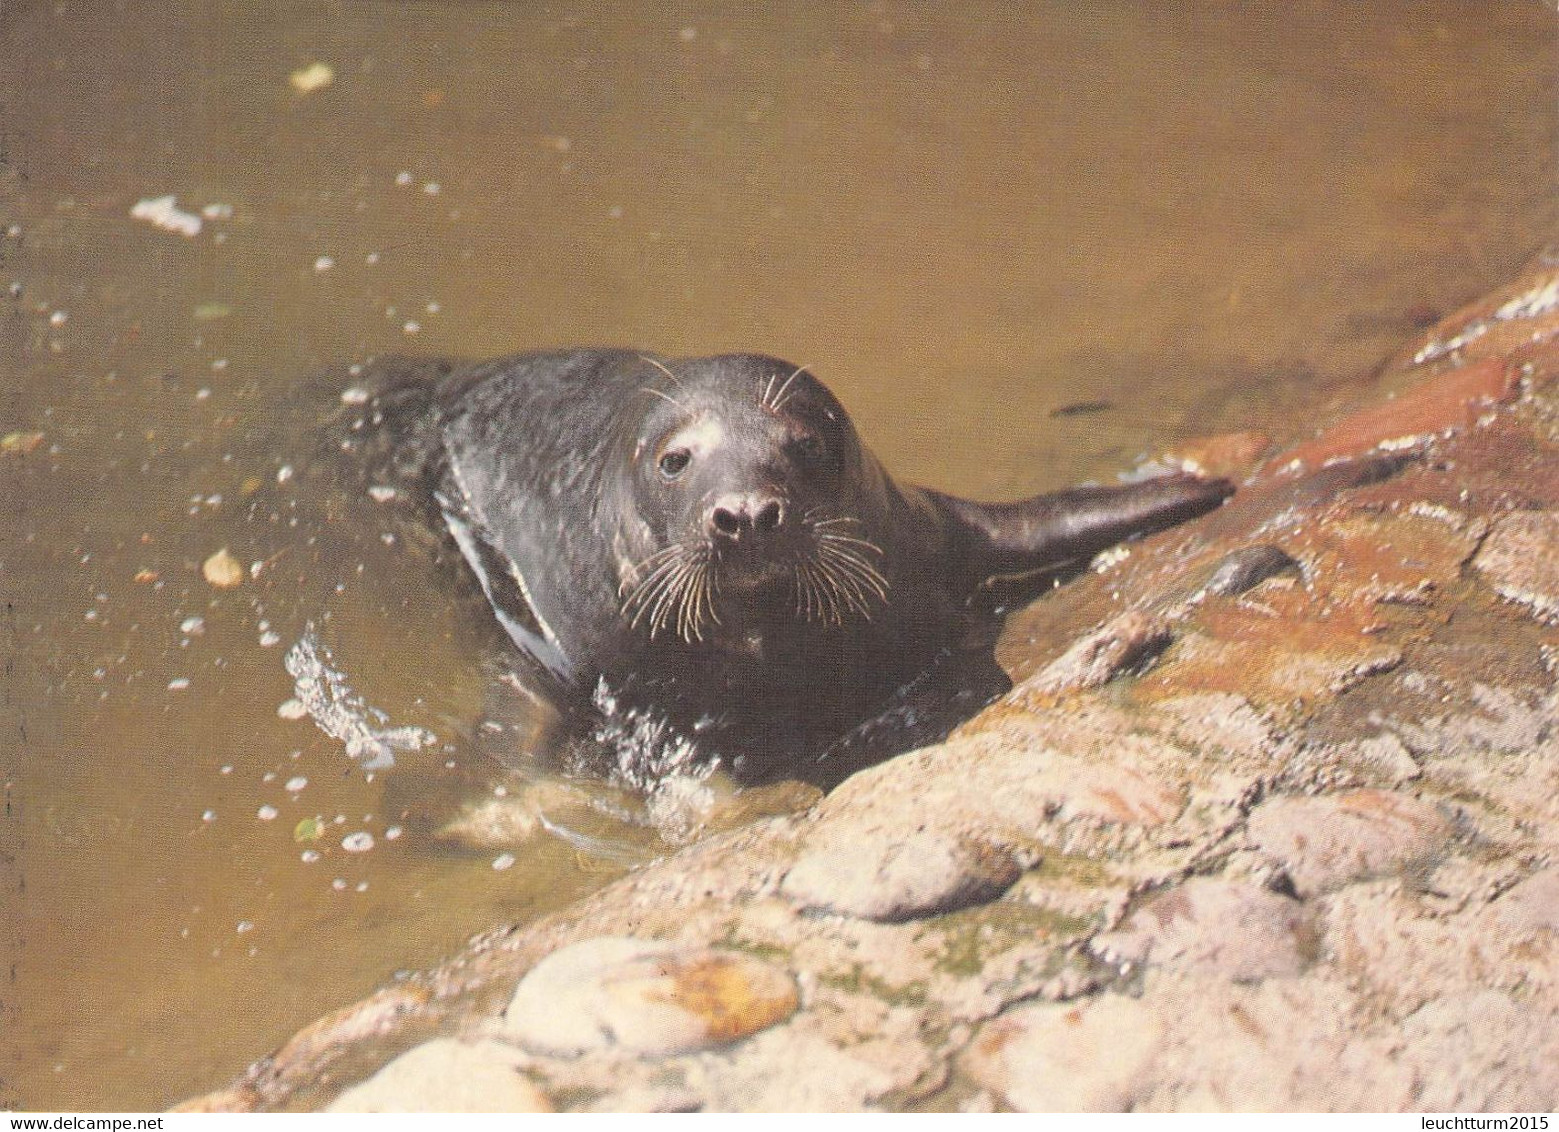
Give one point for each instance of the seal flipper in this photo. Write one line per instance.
(505, 588)
(1064, 526)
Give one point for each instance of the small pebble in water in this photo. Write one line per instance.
(503, 861)
(292, 709)
(228, 769)
(209, 816)
(359, 842)
(267, 813)
(392, 833)
(284, 473)
(59, 318)
(324, 263)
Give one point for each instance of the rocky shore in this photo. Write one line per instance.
(1269, 820)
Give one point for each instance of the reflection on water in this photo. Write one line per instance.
(963, 219)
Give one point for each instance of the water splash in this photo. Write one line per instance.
(341, 713)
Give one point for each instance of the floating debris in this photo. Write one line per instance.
(269, 639)
(20, 443)
(292, 709)
(316, 76)
(323, 264)
(210, 312)
(192, 626)
(222, 570)
(503, 861)
(267, 813)
(164, 212)
(342, 714)
(359, 842)
(309, 829)
(178, 684)
(293, 785)
(381, 493)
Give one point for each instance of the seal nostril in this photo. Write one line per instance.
(726, 522)
(769, 516)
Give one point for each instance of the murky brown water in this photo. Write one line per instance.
(962, 219)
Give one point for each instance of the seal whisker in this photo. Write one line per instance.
(665, 397)
(857, 567)
(636, 570)
(665, 604)
(851, 540)
(644, 581)
(847, 584)
(648, 596)
(675, 380)
(780, 397)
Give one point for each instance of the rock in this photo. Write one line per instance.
(1235, 929)
(445, 1075)
(491, 823)
(1484, 1052)
(1520, 559)
(1228, 455)
(1331, 840)
(222, 570)
(1246, 568)
(1066, 1057)
(646, 997)
(890, 877)
(1449, 401)
(1383, 755)
(1120, 644)
(1529, 908)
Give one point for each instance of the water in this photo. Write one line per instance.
(963, 219)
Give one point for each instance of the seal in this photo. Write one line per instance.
(710, 536)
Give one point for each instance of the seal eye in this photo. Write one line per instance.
(675, 462)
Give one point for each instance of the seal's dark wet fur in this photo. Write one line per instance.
(709, 536)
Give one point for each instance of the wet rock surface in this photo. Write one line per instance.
(1269, 820)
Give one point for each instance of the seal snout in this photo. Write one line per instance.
(741, 515)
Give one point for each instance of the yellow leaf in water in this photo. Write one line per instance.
(20, 443)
